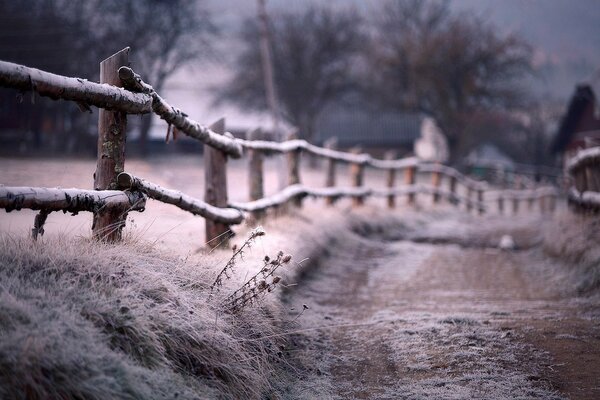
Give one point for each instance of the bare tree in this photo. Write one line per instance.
(425, 59)
(313, 53)
(72, 36)
(164, 36)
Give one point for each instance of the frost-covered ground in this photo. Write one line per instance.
(452, 318)
(402, 304)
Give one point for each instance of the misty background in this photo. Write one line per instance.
(194, 57)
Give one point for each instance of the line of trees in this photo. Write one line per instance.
(71, 37)
(404, 56)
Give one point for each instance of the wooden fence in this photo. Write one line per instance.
(584, 170)
(121, 92)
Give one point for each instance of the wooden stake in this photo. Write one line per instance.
(409, 179)
(501, 205)
(330, 144)
(356, 174)
(293, 165)
(255, 172)
(112, 127)
(453, 198)
(469, 198)
(215, 191)
(480, 200)
(391, 178)
(435, 182)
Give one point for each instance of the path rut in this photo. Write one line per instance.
(399, 319)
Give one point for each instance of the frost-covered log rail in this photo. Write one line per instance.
(69, 200)
(79, 90)
(181, 200)
(138, 97)
(299, 191)
(584, 169)
(584, 158)
(179, 119)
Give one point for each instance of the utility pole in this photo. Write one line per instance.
(268, 75)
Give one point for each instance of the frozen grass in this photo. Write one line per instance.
(82, 320)
(574, 239)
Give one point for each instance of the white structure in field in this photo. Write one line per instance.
(432, 145)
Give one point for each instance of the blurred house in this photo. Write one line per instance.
(488, 162)
(374, 132)
(580, 125)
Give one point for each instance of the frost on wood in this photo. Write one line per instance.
(429, 190)
(583, 158)
(586, 199)
(524, 194)
(75, 89)
(299, 191)
(181, 200)
(453, 173)
(177, 118)
(69, 200)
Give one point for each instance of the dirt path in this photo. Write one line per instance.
(433, 318)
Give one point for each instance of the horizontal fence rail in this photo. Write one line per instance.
(179, 119)
(69, 200)
(138, 97)
(79, 90)
(584, 169)
(179, 199)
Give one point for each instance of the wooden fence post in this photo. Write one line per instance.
(293, 165)
(255, 171)
(469, 197)
(112, 130)
(480, 201)
(552, 201)
(435, 182)
(543, 204)
(515, 204)
(409, 179)
(391, 179)
(331, 163)
(501, 204)
(356, 173)
(215, 190)
(453, 198)
(530, 203)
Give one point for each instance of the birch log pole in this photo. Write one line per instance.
(391, 179)
(112, 127)
(215, 191)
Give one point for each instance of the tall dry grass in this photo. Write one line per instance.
(85, 320)
(574, 239)
(81, 320)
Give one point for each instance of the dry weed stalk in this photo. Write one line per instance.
(257, 286)
(256, 232)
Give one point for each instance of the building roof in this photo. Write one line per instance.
(581, 98)
(369, 129)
